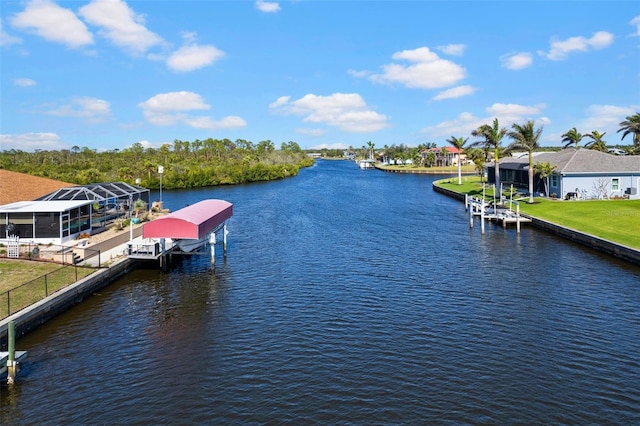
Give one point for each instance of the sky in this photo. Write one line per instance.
(105, 74)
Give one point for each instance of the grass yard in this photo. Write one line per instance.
(614, 220)
(43, 278)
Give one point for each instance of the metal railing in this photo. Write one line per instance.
(27, 294)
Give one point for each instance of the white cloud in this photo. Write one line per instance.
(359, 74)
(229, 122)
(174, 101)
(53, 23)
(267, 6)
(452, 49)
(192, 56)
(606, 118)
(92, 109)
(513, 109)
(281, 101)
(120, 25)
(466, 122)
(347, 111)
(6, 39)
(636, 22)
(166, 109)
(31, 142)
(561, 48)
(24, 82)
(426, 71)
(455, 92)
(517, 61)
(462, 125)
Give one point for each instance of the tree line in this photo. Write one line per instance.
(186, 164)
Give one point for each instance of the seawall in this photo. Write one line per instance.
(37, 314)
(625, 253)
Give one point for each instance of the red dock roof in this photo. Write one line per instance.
(193, 222)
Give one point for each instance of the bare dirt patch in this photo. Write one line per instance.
(16, 186)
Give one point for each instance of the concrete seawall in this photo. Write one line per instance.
(625, 253)
(37, 314)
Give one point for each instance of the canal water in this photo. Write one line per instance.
(346, 297)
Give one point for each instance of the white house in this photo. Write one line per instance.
(579, 173)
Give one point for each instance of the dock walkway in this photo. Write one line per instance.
(495, 212)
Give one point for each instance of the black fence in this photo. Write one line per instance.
(31, 292)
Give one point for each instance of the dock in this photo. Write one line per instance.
(148, 248)
(495, 212)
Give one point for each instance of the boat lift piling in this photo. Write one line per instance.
(225, 232)
(212, 244)
(11, 361)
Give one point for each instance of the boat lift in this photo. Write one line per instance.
(185, 231)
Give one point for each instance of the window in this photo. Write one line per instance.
(615, 184)
(47, 225)
(20, 224)
(554, 180)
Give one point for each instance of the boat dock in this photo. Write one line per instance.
(186, 231)
(149, 249)
(494, 212)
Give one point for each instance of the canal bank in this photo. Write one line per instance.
(422, 170)
(619, 251)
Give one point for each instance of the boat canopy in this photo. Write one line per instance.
(192, 222)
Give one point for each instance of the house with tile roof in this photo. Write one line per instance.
(446, 156)
(579, 173)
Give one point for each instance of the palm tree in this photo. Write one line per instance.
(371, 145)
(597, 142)
(477, 156)
(545, 170)
(572, 137)
(632, 125)
(526, 137)
(492, 138)
(458, 143)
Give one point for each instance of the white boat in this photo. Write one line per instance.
(188, 245)
(365, 164)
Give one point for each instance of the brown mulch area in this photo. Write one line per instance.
(16, 186)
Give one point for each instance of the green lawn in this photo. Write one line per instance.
(614, 220)
(43, 279)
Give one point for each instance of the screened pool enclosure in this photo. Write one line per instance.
(68, 212)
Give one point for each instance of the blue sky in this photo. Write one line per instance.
(105, 74)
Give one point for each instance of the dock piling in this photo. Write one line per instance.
(212, 244)
(11, 360)
(224, 239)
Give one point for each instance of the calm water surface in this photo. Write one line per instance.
(347, 297)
